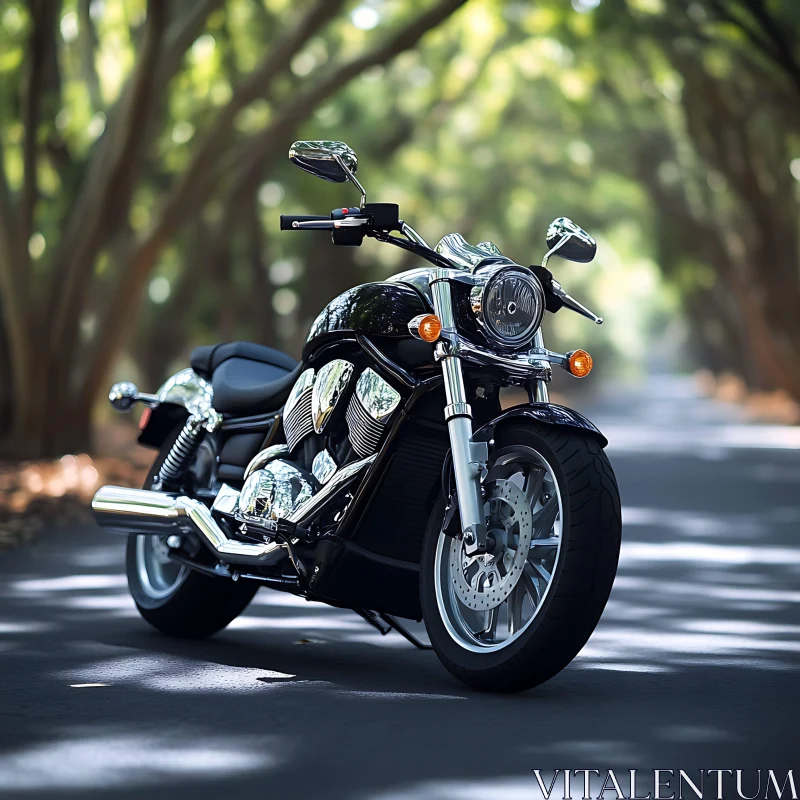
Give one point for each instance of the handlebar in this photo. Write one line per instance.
(349, 226)
(288, 219)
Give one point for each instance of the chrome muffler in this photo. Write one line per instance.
(141, 511)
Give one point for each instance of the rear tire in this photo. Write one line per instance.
(197, 607)
(176, 600)
(581, 581)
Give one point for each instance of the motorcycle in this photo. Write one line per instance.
(380, 474)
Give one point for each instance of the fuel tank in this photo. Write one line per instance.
(380, 312)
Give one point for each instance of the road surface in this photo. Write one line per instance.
(694, 664)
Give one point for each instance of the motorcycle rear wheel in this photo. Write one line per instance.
(555, 530)
(174, 599)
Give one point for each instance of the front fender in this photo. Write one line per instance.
(546, 413)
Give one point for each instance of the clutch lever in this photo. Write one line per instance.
(573, 304)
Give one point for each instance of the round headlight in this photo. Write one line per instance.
(510, 306)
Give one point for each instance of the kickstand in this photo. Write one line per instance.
(389, 624)
(374, 620)
(406, 634)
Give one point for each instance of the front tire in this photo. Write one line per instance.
(174, 599)
(556, 529)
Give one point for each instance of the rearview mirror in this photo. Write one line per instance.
(331, 161)
(569, 241)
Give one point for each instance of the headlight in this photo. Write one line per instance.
(510, 306)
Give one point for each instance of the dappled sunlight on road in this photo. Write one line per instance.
(171, 674)
(99, 757)
(507, 788)
(700, 637)
(716, 442)
(69, 583)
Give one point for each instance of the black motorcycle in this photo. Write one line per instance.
(381, 474)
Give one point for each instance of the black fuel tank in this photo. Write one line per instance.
(379, 311)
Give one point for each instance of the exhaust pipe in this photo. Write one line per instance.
(141, 511)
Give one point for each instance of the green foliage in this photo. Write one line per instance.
(668, 128)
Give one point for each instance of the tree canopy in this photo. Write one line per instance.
(143, 146)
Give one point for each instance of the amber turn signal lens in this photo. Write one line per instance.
(580, 363)
(426, 327)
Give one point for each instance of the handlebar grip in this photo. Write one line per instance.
(288, 219)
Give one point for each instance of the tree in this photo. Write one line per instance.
(739, 84)
(66, 311)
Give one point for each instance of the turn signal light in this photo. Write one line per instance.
(145, 418)
(426, 327)
(580, 363)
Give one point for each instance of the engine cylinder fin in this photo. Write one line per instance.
(298, 423)
(365, 431)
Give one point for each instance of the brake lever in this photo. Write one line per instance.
(573, 304)
(313, 225)
(330, 224)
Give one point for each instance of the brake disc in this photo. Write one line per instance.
(485, 581)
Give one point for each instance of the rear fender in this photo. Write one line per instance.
(185, 393)
(544, 413)
(161, 421)
(186, 388)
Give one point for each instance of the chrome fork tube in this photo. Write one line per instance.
(458, 414)
(539, 393)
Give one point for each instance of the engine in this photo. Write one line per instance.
(331, 420)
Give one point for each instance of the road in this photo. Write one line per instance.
(694, 664)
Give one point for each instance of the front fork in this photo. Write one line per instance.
(469, 457)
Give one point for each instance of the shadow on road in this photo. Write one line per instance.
(694, 663)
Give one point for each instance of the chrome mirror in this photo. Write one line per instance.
(331, 161)
(569, 241)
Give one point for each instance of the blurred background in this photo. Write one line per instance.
(143, 169)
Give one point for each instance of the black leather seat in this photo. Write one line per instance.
(206, 358)
(247, 378)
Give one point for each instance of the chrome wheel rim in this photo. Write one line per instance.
(487, 602)
(159, 576)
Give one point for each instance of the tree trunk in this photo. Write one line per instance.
(55, 378)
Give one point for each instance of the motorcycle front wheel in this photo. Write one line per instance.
(511, 619)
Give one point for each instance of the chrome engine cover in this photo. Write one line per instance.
(274, 487)
(324, 466)
(373, 402)
(272, 493)
(329, 385)
(261, 458)
(314, 398)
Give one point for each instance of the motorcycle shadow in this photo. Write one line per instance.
(323, 645)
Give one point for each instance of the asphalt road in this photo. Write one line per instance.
(694, 665)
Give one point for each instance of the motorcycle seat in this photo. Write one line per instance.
(247, 378)
(206, 358)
